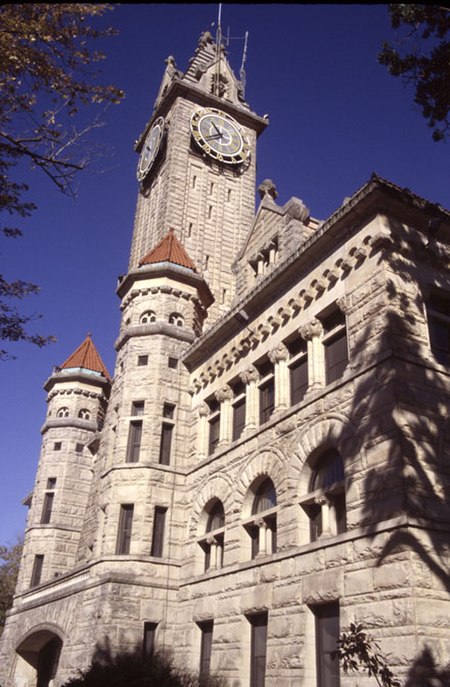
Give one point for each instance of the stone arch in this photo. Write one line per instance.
(333, 431)
(37, 656)
(217, 487)
(266, 463)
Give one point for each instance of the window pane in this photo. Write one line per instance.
(299, 380)
(37, 570)
(327, 633)
(124, 530)
(253, 531)
(158, 531)
(137, 407)
(267, 401)
(205, 648)
(315, 521)
(149, 638)
(336, 357)
(216, 517)
(258, 650)
(166, 444)
(134, 442)
(214, 428)
(47, 509)
(439, 339)
(329, 470)
(266, 497)
(238, 419)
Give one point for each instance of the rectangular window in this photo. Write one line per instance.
(79, 448)
(238, 418)
(137, 407)
(438, 315)
(159, 521)
(266, 400)
(258, 649)
(299, 379)
(142, 360)
(47, 508)
(57, 446)
(36, 575)
(165, 447)
(125, 528)
(51, 482)
(134, 441)
(168, 410)
(148, 645)
(173, 363)
(335, 344)
(205, 648)
(214, 433)
(327, 634)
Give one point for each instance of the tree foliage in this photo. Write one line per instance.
(46, 78)
(134, 670)
(356, 650)
(9, 569)
(421, 57)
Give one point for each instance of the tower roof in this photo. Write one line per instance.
(169, 249)
(87, 357)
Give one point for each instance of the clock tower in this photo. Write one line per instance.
(196, 170)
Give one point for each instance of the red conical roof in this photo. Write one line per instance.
(86, 356)
(169, 249)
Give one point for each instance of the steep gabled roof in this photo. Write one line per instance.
(169, 249)
(86, 356)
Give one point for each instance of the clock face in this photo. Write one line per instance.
(220, 136)
(150, 149)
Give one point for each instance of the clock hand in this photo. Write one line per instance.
(217, 129)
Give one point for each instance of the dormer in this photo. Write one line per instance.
(277, 231)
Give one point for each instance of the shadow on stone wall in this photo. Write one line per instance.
(412, 403)
(425, 673)
(134, 669)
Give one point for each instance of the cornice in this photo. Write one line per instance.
(150, 329)
(369, 201)
(165, 269)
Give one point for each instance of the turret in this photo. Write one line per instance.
(78, 391)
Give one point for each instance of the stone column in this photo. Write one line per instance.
(325, 506)
(313, 333)
(262, 537)
(250, 377)
(213, 551)
(203, 431)
(279, 357)
(225, 396)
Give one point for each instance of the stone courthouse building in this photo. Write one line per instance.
(271, 460)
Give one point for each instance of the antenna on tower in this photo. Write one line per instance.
(242, 69)
(218, 50)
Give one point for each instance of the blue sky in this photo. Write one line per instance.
(335, 117)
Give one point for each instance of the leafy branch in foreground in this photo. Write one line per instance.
(46, 78)
(421, 57)
(9, 569)
(356, 650)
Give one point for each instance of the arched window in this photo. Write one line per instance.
(63, 412)
(325, 503)
(147, 317)
(176, 318)
(213, 541)
(84, 414)
(263, 526)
